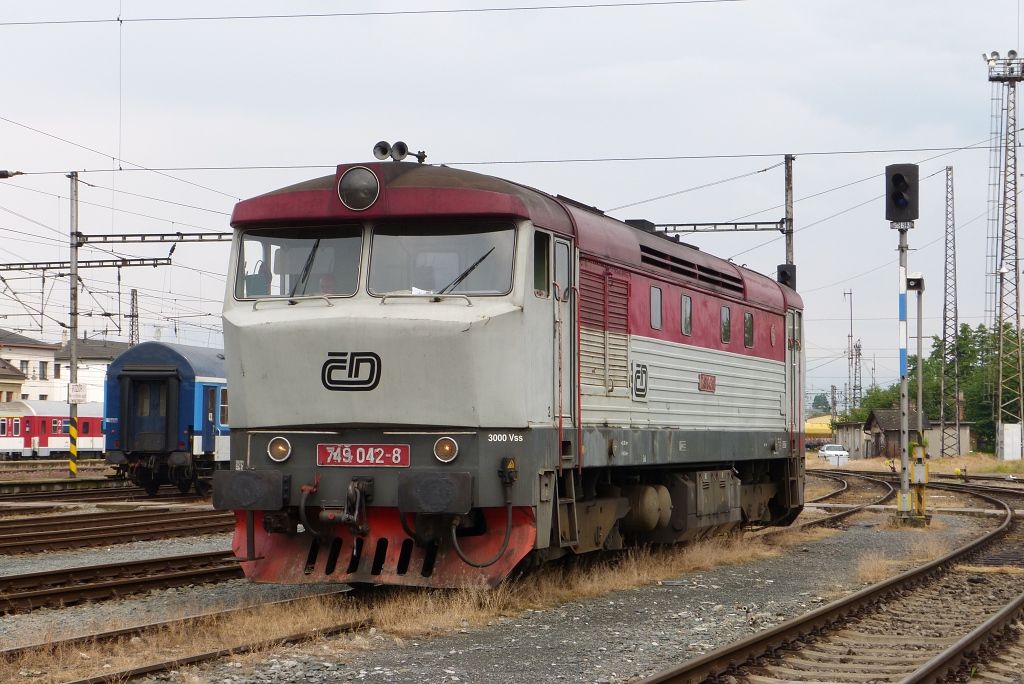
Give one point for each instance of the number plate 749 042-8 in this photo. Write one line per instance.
(363, 455)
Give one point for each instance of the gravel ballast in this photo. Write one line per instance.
(619, 637)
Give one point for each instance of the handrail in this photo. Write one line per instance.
(291, 300)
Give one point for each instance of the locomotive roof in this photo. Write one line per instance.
(201, 361)
(409, 189)
(45, 407)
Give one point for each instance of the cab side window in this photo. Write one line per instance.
(726, 325)
(541, 264)
(656, 308)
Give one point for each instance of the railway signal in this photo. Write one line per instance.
(901, 192)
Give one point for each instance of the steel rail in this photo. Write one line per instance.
(729, 657)
(93, 582)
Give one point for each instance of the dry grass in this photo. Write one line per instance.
(406, 612)
(875, 566)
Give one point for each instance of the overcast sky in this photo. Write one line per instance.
(725, 88)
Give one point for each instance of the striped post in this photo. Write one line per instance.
(73, 448)
(903, 508)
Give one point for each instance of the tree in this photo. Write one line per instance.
(821, 403)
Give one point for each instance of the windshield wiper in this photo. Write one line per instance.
(465, 274)
(306, 268)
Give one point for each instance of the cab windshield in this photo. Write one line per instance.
(299, 262)
(465, 258)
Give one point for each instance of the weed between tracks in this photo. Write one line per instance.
(399, 612)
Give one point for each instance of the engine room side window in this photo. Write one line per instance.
(656, 307)
(299, 262)
(748, 330)
(687, 315)
(541, 264)
(726, 325)
(434, 258)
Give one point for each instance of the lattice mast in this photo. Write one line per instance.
(858, 385)
(1009, 387)
(995, 209)
(949, 383)
(848, 393)
(133, 316)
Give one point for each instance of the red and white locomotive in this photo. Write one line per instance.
(30, 428)
(438, 375)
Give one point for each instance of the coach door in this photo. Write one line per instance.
(149, 410)
(210, 406)
(564, 300)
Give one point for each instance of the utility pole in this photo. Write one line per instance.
(832, 403)
(74, 391)
(949, 382)
(789, 208)
(849, 354)
(1010, 386)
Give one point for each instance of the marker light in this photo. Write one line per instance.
(446, 449)
(279, 449)
(358, 188)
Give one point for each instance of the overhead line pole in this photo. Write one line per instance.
(73, 389)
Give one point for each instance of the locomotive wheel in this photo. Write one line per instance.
(184, 486)
(151, 488)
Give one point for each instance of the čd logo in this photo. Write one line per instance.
(351, 371)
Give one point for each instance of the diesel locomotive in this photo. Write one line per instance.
(438, 376)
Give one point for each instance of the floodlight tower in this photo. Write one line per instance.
(1009, 388)
(949, 390)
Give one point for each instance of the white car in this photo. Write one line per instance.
(834, 452)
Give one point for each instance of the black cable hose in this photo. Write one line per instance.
(501, 551)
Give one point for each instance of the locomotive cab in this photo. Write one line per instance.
(437, 374)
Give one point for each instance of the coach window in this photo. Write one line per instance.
(16, 428)
(541, 264)
(65, 426)
(224, 406)
(656, 308)
(748, 330)
(687, 315)
(3, 428)
(54, 426)
(85, 427)
(726, 327)
(142, 400)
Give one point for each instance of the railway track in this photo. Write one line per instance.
(98, 529)
(12, 466)
(126, 492)
(888, 491)
(921, 626)
(19, 593)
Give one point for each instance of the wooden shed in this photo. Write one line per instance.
(883, 430)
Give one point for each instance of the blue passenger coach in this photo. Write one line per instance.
(166, 415)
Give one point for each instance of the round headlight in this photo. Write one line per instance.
(358, 188)
(279, 449)
(446, 449)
